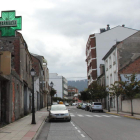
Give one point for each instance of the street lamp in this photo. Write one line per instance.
(47, 101)
(108, 100)
(51, 85)
(33, 108)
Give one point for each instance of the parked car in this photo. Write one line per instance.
(79, 105)
(83, 105)
(66, 104)
(59, 112)
(74, 104)
(87, 106)
(96, 106)
(55, 103)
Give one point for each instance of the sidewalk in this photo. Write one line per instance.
(22, 129)
(124, 114)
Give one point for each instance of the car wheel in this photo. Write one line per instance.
(69, 119)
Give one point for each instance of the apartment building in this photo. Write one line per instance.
(121, 61)
(98, 45)
(60, 85)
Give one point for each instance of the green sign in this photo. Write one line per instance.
(9, 23)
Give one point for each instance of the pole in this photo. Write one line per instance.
(108, 104)
(51, 96)
(33, 108)
(47, 101)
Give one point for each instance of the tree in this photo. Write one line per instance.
(52, 93)
(97, 91)
(85, 95)
(116, 90)
(130, 89)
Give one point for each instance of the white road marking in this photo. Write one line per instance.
(72, 115)
(80, 115)
(115, 116)
(97, 116)
(79, 131)
(75, 127)
(82, 135)
(89, 115)
(106, 116)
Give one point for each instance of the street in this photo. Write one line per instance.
(91, 126)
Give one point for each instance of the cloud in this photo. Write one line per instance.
(59, 29)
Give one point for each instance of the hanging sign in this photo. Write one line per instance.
(9, 23)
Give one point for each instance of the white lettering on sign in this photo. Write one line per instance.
(8, 23)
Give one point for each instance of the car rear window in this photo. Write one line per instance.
(58, 107)
(97, 104)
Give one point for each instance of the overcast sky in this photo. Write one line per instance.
(59, 29)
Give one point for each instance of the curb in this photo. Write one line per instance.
(39, 129)
(124, 116)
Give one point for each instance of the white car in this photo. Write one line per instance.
(96, 106)
(74, 104)
(59, 112)
(83, 106)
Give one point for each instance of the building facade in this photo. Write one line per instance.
(98, 45)
(122, 60)
(71, 92)
(60, 85)
(16, 81)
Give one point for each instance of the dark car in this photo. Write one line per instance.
(79, 105)
(87, 106)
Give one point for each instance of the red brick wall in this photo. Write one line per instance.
(17, 55)
(93, 53)
(13, 102)
(35, 65)
(93, 42)
(94, 64)
(94, 74)
(132, 68)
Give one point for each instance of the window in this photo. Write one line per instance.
(106, 65)
(26, 63)
(114, 58)
(110, 62)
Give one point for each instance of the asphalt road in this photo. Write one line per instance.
(86, 125)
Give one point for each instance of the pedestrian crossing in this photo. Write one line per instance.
(98, 116)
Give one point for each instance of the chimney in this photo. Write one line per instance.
(102, 30)
(108, 28)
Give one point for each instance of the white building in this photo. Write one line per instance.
(98, 45)
(111, 71)
(60, 85)
(117, 63)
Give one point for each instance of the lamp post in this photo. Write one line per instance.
(51, 85)
(108, 103)
(33, 108)
(47, 101)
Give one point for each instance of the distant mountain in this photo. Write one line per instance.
(79, 84)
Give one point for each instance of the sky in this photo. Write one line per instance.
(59, 29)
